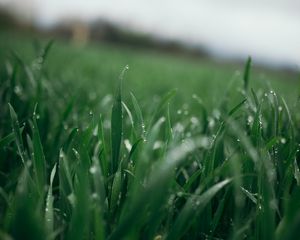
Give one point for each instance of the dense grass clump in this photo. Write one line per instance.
(76, 166)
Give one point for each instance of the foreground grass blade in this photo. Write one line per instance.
(39, 160)
(139, 116)
(246, 76)
(27, 220)
(117, 125)
(288, 228)
(49, 209)
(17, 133)
(81, 209)
(193, 207)
(103, 158)
(8, 139)
(101, 208)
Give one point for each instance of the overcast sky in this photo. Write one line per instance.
(268, 30)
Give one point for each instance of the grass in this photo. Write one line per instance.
(213, 160)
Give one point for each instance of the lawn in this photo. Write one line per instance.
(110, 142)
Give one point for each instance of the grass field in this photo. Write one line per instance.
(108, 142)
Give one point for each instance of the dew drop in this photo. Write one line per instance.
(127, 144)
(18, 90)
(180, 194)
(93, 170)
(157, 145)
(94, 196)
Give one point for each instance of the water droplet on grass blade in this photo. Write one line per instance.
(157, 145)
(18, 90)
(127, 144)
(94, 196)
(93, 170)
(194, 120)
(283, 140)
(250, 119)
(211, 122)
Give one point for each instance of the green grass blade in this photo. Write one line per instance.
(163, 102)
(194, 206)
(116, 190)
(17, 132)
(288, 228)
(132, 150)
(26, 219)
(237, 107)
(100, 202)
(139, 116)
(49, 209)
(117, 125)
(39, 160)
(103, 158)
(246, 76)
(8, 139)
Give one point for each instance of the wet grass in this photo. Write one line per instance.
(76, 162)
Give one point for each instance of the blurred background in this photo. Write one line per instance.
(268, 30)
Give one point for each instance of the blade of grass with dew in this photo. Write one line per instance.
(139, 116)
(116, 190)
(116, 124)
(49, 208)
(100, 202)
(194, 205)
(60, 125)
(255, 97)
(103, 158)
(81, 208)
(70, 140)
(66, 187)
(17, 133)
(5, 141)
(132, 150)
(39, 160)
(81, 191)
(133, 133)
(218, 214)
(218, 143)
(169, 130)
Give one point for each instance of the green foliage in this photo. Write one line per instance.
(76, 166)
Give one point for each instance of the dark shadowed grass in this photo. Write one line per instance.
(80, 167)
